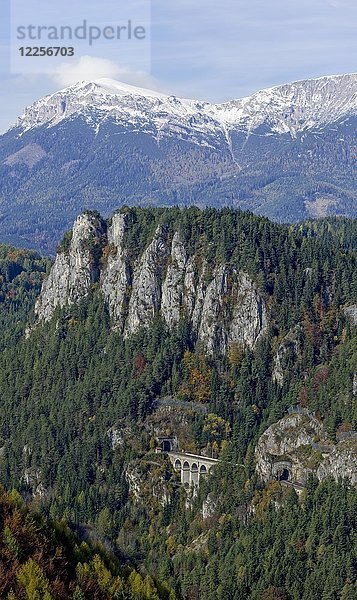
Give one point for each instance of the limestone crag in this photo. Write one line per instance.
(119, 435)
(222, 303)
(33, 478)
(116, 276)
(209, 506)
(74, 270)
(249, 318)
(300, 443)
(173, 288)
(212, 331)
(351, 313)
(193, 296)
(151, 480)
(145, 299)
(232, 312)
(287, 353)
(342, 463)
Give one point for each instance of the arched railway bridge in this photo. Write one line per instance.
(191, 466)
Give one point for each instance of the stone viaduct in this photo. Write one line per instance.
(191, 466)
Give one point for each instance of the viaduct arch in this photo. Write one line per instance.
(191, 467)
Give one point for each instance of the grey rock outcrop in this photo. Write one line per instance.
(209, 506)
(300, 443)
(191, 294)
(116, 275)
(74, 270)
(146, 291)
(118, 435)
(211, 331)
(249, 319)
(173, 288)
(150, 480)
(232, 312)
(340, 463)
(32, 477)
(222, 304)
(351, 313)
(288, 352)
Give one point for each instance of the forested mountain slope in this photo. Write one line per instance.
(79, 394)
(43, 560)
(288, 152)
(21, 275)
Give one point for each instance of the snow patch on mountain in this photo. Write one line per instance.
(295, 107)
(286, 109)
(133, 108)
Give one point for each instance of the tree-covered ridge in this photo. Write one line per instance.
(339, 231)
(278, 255)
(44, 560)
(304, 550)
(330, 390)
(21, 275)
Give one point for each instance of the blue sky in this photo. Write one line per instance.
(214, 50)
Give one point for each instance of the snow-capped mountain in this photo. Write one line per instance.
(286, 109)
(107, 101)
(295, 107)
(287, 152)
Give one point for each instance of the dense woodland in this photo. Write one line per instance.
(63, 387)
(44, 560)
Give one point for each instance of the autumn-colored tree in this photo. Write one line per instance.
(235, 354)
(216, 428)
(303, 397)
(139, 364)
(197, 382)
(274, 593)
(34, 582)
(321, 376)
(344, 428)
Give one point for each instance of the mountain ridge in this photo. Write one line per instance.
(242, 113)
(287, 153)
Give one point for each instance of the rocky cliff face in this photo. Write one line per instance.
(287, 353)
(146, 292)
(223, 304)
(232, 311)
(178, 283)
(151, 480)
(351, 313)
(75, 268)
(116, 277)
(299, 444)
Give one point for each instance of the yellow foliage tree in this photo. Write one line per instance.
(197, 378)
(235, 354)
(34, 581)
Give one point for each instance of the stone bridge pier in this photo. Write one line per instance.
(191, 467)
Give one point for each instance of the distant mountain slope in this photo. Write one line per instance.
(288, 152)
(291, 108)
